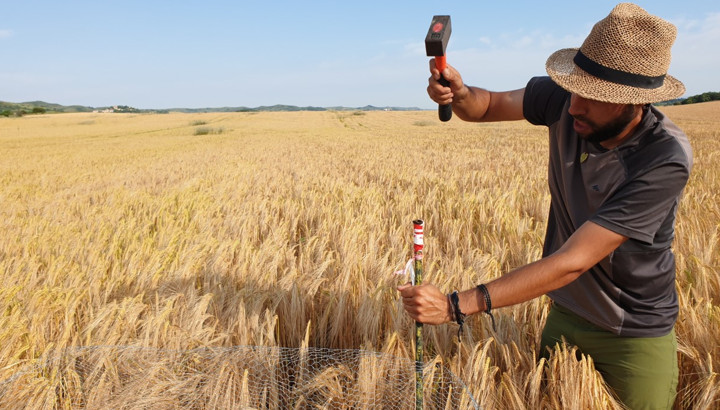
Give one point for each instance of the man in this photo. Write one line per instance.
(616, 171)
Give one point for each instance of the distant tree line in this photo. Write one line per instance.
(8, 109)
(21, 112)
(704, 97)
(125, 108)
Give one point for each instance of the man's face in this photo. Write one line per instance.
(597, 121)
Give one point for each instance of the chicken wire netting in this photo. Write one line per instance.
(237, 377)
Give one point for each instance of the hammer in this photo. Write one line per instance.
(435, 43)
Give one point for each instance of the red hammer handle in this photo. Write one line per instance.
(444, 110)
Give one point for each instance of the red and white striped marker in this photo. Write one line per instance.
(418, 245)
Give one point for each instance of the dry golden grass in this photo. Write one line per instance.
(284, 230)
(697, 246)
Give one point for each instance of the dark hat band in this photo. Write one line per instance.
(617, 76)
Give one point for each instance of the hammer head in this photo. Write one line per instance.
(438, 36)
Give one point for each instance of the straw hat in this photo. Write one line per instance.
(623, 60)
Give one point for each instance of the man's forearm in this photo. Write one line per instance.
(521, 284)
(480, 105)
(586, 247)
(471, 103)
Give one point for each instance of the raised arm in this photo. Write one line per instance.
(473, 103)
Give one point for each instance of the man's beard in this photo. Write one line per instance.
(609, 130)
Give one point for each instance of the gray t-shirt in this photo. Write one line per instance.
(633, 190)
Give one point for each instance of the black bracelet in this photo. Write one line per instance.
(459, 315)
(488, 303)
(452, 309)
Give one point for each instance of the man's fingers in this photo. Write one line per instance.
(403, 287)
(439, 93)
(433, 70)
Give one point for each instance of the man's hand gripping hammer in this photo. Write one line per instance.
(435, 44)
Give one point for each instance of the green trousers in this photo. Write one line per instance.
(642, 371)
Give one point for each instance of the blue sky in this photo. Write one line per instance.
(212, 53)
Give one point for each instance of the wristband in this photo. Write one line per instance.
(452, 309)
(488, 303)
(459, 315)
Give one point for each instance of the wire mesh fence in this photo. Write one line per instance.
(245, 377)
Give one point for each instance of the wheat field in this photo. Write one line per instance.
(193, 231)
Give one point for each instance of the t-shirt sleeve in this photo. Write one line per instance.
(639, 207)
(543, 101)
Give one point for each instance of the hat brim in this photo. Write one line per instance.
(566, 74)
